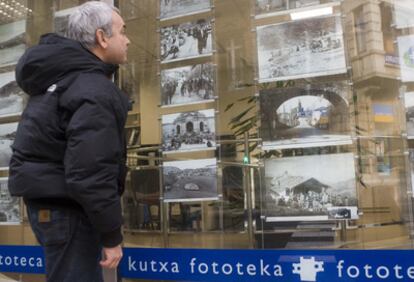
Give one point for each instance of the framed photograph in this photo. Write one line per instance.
(12, 42)
(12, 98)
(176, 8)
(61, 19)
(270, 7)
(188, 85)
(298, 190)
(406, 51)
(311, 116)
(193, 180)
(186, 40)
(298, 49)
(409, 113)
(7, 136)
(189, 131)
(10, 207)
(403, 13)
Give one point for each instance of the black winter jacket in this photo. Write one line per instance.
(69, 145)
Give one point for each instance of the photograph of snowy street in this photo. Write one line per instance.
(188, 85)
(309, 187)
(310, 116)
(186, 40)
(175, 8)
(9, 206)
(189, 131)
(409, 113)
(7, 135)
(12, 98)
(299, 49)
(192, 180)
(12, 42)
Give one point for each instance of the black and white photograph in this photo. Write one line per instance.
(189, 131)
(403, 13)
(176, 8)
(188, 85)
(299, 49)
(269, 7)
(193, 180)
(12, 98)
(309, 187)
(186, 40)
(406, 52)
(309, 116)
(12, 42)
(7, 136)
(9, 206)
(61, 19)
(409, 113)
(343, 213)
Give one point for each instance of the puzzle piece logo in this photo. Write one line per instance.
(308, 268)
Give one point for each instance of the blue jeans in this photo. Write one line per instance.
(70, 244)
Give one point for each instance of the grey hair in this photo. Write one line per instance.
(87, 19)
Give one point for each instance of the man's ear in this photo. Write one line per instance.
(101, 39)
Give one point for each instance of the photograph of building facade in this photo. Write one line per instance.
(255, 124)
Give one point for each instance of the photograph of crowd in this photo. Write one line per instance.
(192, 180)
(174, 8)
(409, 113)
(298, 189)
(298, 49)
(309, 116)
(12, 98)
(188, 85)
(272, 6)
(186, 40)
(406, 51)
(9, 206)
(7, 136)
(12, 42)
(189, 131)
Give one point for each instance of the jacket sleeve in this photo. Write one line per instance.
(91, 164)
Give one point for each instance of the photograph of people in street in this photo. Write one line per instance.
(188, 85)
(175, 8)
(305, 116)
(298, 189)
(9, 206)
(192, 180)
(304, 48)
(186, 40)
(189, 131)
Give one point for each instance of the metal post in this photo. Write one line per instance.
(248, 191)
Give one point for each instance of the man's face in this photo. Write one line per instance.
(116, 53)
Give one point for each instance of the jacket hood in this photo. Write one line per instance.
(54, 58)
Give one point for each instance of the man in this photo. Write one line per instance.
(68, 158)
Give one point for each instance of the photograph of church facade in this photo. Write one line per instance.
(189, 131)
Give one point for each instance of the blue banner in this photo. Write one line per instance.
(240, 265)
(268, 265)
(21, 259)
